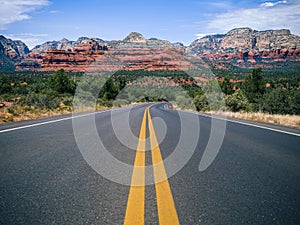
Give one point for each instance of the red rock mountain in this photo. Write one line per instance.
(15, 50)
(242, 47)
(245, 47)
(132, 53)
(10, 52)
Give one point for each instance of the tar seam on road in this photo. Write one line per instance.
(166, 209)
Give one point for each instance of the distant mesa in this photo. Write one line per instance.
(242, 47)
(245, 39)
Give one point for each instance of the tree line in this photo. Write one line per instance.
(52, 91)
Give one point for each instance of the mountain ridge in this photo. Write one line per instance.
(242, 47)
(245, 39)
(14, 49)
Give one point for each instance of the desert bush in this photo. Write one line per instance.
(201, 103)
(237, 102)
(282, 101)
(120, 102)
(43, 101)
(214, 95)
(184, 102)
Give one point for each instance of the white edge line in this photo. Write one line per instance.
(94, 113)
(56, 121)
(243, 123)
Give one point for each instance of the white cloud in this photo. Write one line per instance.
(272, 4)
(17, 10)
(203, 35)
(200, 35)
(31, 40)
(269, 15)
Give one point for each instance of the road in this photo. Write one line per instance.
(45, 179)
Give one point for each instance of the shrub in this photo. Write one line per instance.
(201, 103)
(184, 102)
(236, 102)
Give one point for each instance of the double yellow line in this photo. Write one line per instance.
(135, 211)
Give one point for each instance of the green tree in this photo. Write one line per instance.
(295, 101)
(226, 86)
(109, 90)
(5, 85)
(62, 82)
(254, 86)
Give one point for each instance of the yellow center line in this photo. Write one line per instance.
(165, 204)
(136, 199)
(135, 210)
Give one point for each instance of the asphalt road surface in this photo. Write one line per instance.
(45, 179)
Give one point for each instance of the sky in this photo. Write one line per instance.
(37, 21)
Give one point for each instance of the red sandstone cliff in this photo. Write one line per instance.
(245, 47)
(242, 47)
(133, 53)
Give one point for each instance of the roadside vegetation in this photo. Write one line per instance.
(29, 94)
(287, 120)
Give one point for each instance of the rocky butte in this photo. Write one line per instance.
(242, 47)
(10, 52)
(245, 47)
(15, 50)
(133, 53)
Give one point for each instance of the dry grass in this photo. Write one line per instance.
(287, 120)
(18, 113)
